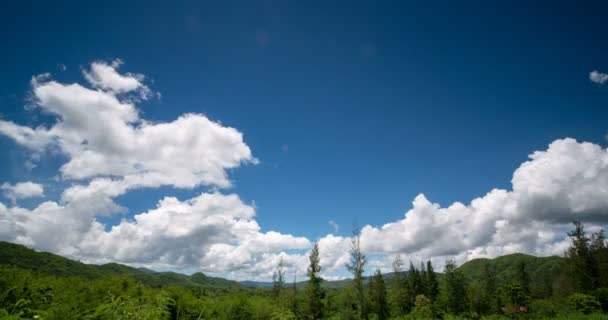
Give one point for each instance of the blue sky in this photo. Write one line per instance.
(352, 108)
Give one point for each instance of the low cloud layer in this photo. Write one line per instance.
(111, 150)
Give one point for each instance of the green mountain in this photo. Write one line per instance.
(47, 263)
(545, 272)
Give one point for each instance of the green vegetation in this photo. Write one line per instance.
(37, 285)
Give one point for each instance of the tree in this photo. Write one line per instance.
(314, 292)
(488, 286)
(400, 297)
(455, 288)
(294, 296)
(423, 307)
(584, 303)
(432, 283)
(378, 303)
(523, 278)
(278, 279)
(356, 267)
(599, 250)
(415, 282)
(585, 267)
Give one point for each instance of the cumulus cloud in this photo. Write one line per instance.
(110, 150)
(103, 135)
(598, 77)
(212, 232)
(22, 190)
(568, 181)
(106, 77)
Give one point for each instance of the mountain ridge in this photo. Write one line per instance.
(541, 269)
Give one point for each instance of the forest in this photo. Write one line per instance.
(37, 285)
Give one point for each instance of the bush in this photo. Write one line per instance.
(601, 295)
(584, 303)
(544, 308)
(423, 309)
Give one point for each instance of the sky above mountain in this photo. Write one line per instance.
(222, 137)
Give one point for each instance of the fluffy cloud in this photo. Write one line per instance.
(22, 190)
(568, 181)
(111, 150)
(598, 77)
(105, 76)
(103, 135)
(213, 232)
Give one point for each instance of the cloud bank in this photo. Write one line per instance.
(111, 150)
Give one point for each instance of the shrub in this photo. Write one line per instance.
(601, 295)
(584, 303)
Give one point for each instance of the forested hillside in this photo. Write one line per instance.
(38, 285)
(21, 257)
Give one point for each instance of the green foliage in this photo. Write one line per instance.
(584, 303)
(314, 292)
(547, 275)
(455, 289)
(432, 284)
(356, 267)
(378, 300)
(46, 263)
(583, 259)
(423, 308)
(601, 295)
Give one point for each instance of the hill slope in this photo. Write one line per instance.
(47, 263)
(543, 271)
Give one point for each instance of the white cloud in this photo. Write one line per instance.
(103, 135)
(334, 226)
(111, 150)
(212, 232)
(568, 181)
(33, 138)
(22, 190)
(598, 77)
(106, 77)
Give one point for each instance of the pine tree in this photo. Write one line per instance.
(415, 282)
(599, 250)
(488, 286)
(314, 292)
(432, 282)
(455, 285)
(294, 296)
(585, 267)
(379, 304)
(278, 279)
(399, 294)
(356, 267)
(423, 280)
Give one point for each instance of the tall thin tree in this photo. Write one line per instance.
(356, 267)
(431, 280)
(278, 279)
(455, 285)
(379, 304)
(314, 291)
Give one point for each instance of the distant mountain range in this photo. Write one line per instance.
(543, 271)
